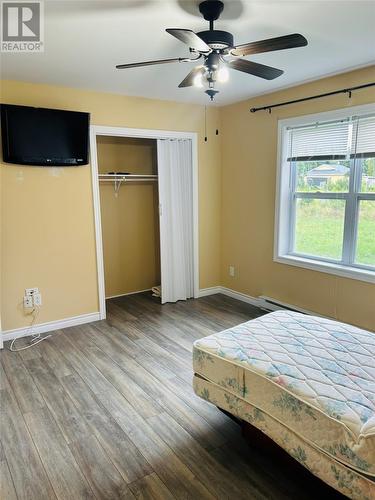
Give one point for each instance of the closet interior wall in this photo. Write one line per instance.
(130, 220)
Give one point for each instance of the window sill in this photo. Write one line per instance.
(327, 267)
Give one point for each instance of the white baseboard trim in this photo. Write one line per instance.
(262, 301)
(50, 326)
(204, 292)
(254, 301)
(129, 293)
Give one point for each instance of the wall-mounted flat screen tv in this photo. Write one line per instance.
(46, 137)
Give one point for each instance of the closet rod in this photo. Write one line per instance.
(318, 96)
(123, 179)
(126, 176)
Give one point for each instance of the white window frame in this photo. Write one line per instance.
(284, 217)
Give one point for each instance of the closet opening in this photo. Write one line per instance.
(129, 201)
(146, 216)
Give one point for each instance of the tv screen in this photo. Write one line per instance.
(47, 137)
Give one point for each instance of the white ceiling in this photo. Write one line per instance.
(84, 40)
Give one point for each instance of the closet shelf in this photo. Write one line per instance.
(118, 179)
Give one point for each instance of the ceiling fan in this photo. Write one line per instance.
(219, 53)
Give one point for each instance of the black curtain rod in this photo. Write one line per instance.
(342, 91)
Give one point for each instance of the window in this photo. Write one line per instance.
(325, 214)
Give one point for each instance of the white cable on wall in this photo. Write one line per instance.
(36, 338)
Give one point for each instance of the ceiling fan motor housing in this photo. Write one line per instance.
(217, 39)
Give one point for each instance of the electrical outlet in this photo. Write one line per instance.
(29, 292)
(232, 271)
(28, 302)
(37, 299)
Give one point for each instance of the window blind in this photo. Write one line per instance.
(332, 140)
(363, 143)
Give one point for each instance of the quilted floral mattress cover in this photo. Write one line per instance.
(314, 375)
(350, 482)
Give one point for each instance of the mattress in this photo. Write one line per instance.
(344, 479)
(313, 375)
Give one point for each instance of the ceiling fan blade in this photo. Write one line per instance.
(279, 43)
(188, 81)
(150, 63)
(256, 69)
(190, 38)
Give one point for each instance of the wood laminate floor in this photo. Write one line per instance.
(106, 410)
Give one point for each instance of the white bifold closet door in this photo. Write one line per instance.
(175, 171)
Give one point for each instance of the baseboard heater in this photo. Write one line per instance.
(271, 304)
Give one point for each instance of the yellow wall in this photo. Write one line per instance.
(249, 146)
(129, 220)
(47, 214)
